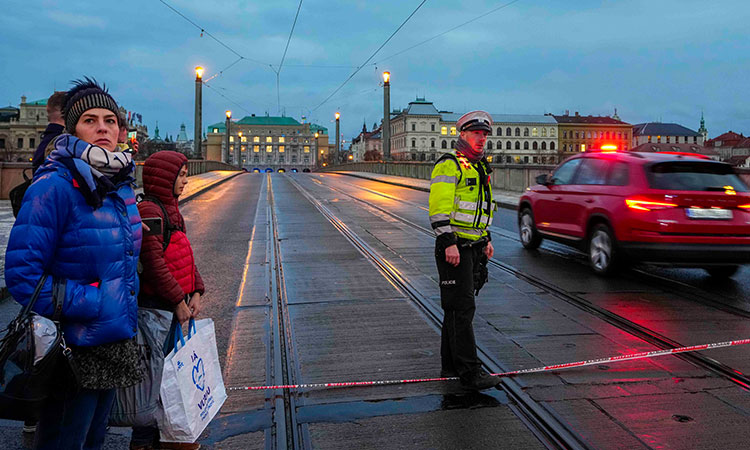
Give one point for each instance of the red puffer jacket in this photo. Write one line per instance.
(168, 275)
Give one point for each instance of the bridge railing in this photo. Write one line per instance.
(11, 173)
(506, 177)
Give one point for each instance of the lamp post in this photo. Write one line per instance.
(238, 152)
(197, 147)
(386, 131)
(225, 151)
(317, 157)
(338, 140)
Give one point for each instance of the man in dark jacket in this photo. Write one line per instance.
(54, 128)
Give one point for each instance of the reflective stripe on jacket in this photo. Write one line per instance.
(460, 202)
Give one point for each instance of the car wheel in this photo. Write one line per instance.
(602, 250)
(530, 237)
(722, 271)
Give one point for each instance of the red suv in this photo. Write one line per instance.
(674, 209)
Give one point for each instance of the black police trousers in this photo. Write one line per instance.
(458, 350)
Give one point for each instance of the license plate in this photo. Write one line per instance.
(709, 213)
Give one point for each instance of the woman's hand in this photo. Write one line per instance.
(195, 305)
(182, 312)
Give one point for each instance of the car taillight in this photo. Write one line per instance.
(744, 206)
(648, 205)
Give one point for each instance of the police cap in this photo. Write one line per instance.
(475, 120)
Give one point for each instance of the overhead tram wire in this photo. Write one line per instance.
(371, 56)
(203, 31)
(448, 31)
(227, 98)
(221, 72)
(281, 64)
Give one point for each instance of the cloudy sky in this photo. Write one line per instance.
(653, 60)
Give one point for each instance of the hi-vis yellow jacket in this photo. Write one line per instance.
(460, 199)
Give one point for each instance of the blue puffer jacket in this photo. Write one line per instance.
(90, 254)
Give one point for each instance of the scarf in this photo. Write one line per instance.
(95, 170)
(472, 155)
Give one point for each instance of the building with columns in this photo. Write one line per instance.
(269, 142)
(21, 128)
(421, 133)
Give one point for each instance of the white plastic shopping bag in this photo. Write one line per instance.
(192, 390)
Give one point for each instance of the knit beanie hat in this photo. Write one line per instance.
(84, 95)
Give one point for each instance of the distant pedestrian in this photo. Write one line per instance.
(461, 209)
(55, 128)
(170, 277)
(79, 224)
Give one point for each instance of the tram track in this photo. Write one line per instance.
(544, 423)
(287, 432)
(645, 334)
(694, 293)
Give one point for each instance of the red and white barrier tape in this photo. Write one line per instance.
(652, 354)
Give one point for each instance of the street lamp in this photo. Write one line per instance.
(225, 151)
(338, 139)
(385, 132)
(197, 148)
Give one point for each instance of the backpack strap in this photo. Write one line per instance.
(167, 227)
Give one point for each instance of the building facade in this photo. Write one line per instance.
(367, 145)
(667, 133)
(21, 128)
(580, 133)
(730, 144)
(269, 142)
(421, 133)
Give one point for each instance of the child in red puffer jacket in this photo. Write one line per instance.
(169, 280)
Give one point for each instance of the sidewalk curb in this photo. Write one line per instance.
(501, 203)
(207, 187)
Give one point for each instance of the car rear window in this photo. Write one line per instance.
(693, 176)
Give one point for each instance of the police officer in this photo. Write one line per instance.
(461, 209)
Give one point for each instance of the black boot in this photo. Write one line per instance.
(480, 380)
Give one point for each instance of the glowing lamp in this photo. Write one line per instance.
(386, 77)
(337, 115)
(229, 114)
(199, 72)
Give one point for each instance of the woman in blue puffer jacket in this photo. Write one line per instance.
(79, 224)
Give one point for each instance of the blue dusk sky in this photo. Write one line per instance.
(653, 60)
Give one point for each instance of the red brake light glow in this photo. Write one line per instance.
(647, 205)
(609, 148)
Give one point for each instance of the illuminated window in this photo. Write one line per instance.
(306, 148)
(281, 139)
(544, 132)
(256, 138)
(231, 138)
(269, 148)
(453, 131)
(534, 132)
(583, 147)
(658, 139)
(269, 139)
(552, 132)
(281, 149)
(443, 130)
(216, 130)
(256, 148)
(244, 139)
